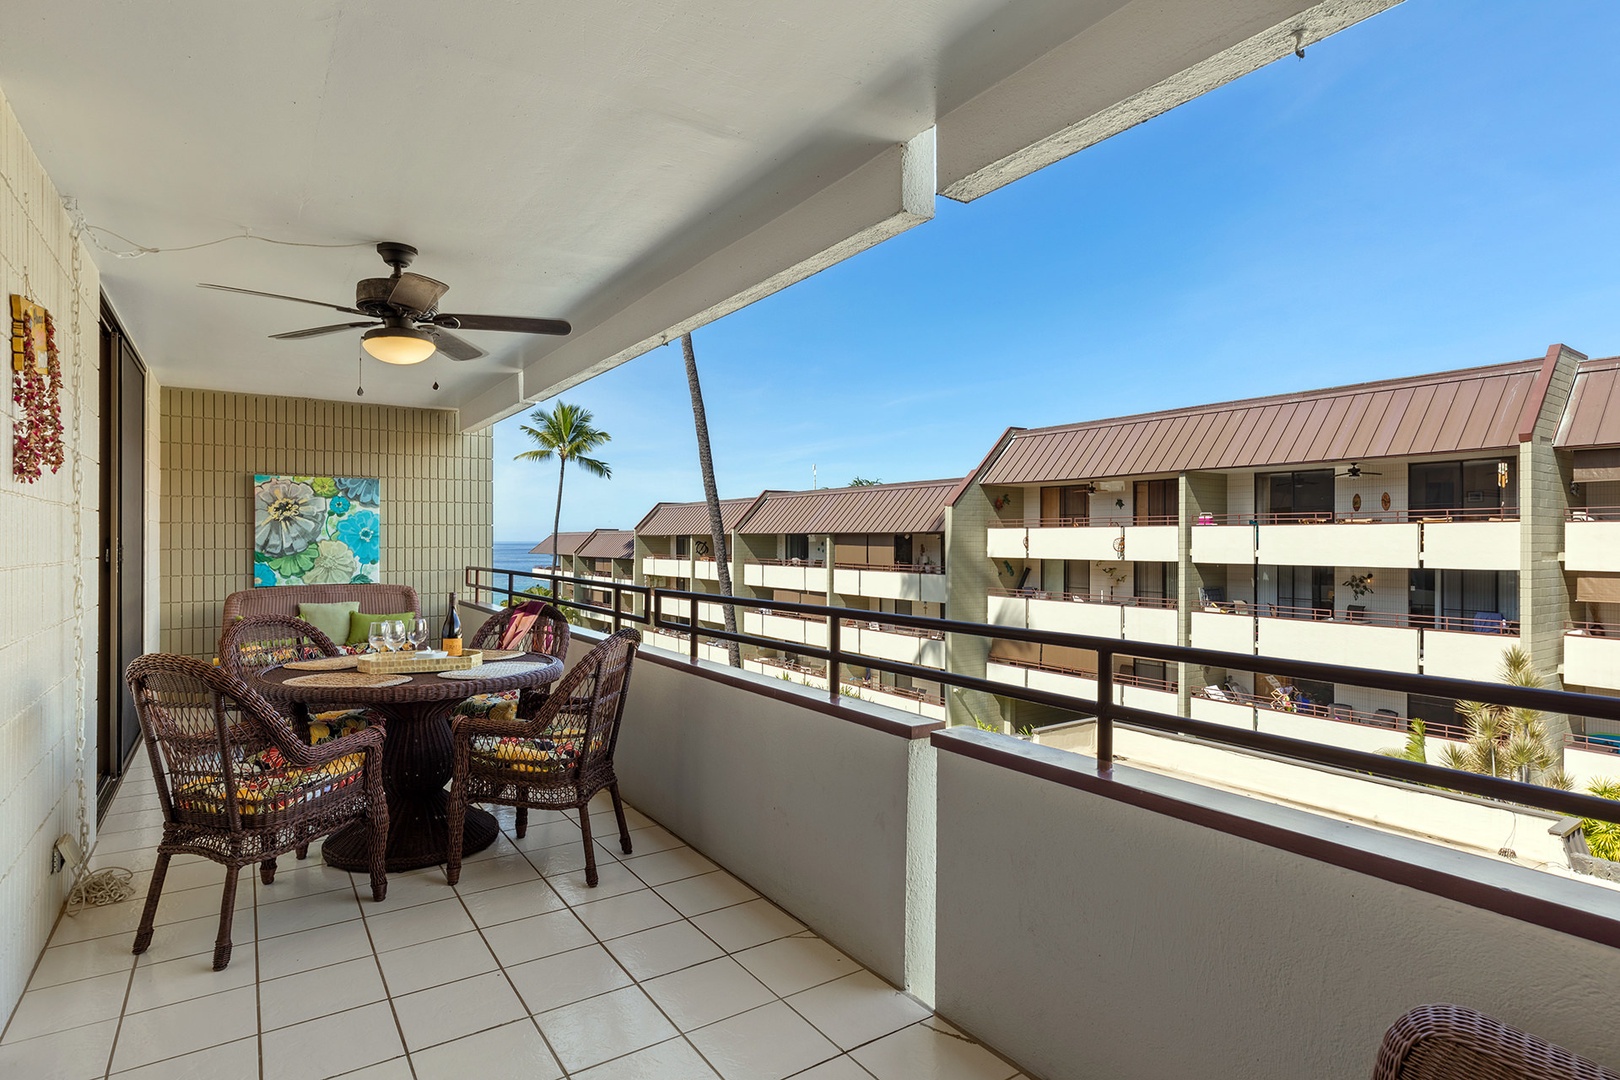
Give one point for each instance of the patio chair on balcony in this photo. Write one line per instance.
(1449, 1042)
(556, 760)
(239, 786)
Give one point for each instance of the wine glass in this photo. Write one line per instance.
(393, 634)
(374, 636)
(419, 633)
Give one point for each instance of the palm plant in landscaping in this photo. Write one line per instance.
(1508, 742)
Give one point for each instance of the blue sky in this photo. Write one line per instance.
(1433, 188)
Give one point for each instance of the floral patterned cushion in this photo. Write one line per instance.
(524, 755)
(482, 705)
(336, 723)
(265, 784)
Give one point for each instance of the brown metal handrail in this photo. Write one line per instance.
(899, 568)
(1593, 629)
(1593, 513)
(1108, 712)
(806, 563)
(1587, 742)
(1111, 521)
(887, 628)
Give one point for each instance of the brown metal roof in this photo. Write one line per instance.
(692, 518)
(567, 544)
(874, 508)
(1593, 416)
(1448, 412)
(608, 544)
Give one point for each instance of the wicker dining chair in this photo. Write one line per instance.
(1449, 1042)
(251, 644)
(555, 760)
(547, 632)
(239, 786)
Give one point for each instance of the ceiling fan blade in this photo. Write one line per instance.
(511, 324)
(318, 331)
(456, 348)
(413, 292)
(279, 296)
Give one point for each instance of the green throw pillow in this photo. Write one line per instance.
(360, 624)
(330, 619)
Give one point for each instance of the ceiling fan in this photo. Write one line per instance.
(1355, 471)
(407, 325)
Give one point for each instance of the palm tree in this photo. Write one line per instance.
(1507, 742)
(566, 433)
(711, 495)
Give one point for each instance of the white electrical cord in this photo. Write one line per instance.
(136, 250)
(114, 883)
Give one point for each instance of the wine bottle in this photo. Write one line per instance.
(451, 632)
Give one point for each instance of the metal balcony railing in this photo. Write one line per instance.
(484, 581)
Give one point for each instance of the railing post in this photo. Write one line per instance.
(834, 661)
(1105, 711)
(618, 603)
(653, 608)
(692, 626)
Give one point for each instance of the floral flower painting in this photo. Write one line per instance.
(316, 530)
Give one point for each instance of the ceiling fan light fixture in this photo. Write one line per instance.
(398, 345)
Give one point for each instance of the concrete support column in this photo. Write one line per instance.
(1201, 493)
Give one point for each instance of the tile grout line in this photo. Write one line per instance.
(405, 1047)
(258, 989)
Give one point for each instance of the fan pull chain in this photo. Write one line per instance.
(360, 364)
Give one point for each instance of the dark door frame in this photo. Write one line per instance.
(121, 549)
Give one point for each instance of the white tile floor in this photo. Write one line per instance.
(670, 969)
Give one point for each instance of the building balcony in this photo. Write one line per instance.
(1591, 757)
(790, 629)
(1465, 654)
(1297, 635)
(873, 843)
(1223, 631)
(666, 566)
(1592, 540)
(925, 584)
(1138, 618)
(1454, 541)
(1138, 539)
(794, 575)
(899, 644)
(1592, 655)
(705, 569)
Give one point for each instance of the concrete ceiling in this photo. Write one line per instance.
(638, 167)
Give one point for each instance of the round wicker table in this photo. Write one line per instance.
(417, 758)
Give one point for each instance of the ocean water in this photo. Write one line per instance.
(509, 555)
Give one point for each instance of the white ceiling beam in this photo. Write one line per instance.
(890, 193)
(1140, 61)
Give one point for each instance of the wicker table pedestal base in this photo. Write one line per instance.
(417, 763)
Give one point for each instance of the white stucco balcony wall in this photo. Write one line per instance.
(1007, 610)
(1471, 545)
(659, 566)
(1223, 632)
(1075, 542)
(1223, 544)
(1006, 542)
(1154, 624)
(1394, 545)
(1076, 617)
(1465, 656)
(1152, 543)
(1592, 661)
(1592, 545)
(891, 584)
(1389, 648)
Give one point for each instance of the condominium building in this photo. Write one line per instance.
(674, 548)
(1412, 525)
(875, 547)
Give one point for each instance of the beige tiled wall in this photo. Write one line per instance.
(437, 493)
(45, 629)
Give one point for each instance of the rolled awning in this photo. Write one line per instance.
(1598, 588)
(1593, 465)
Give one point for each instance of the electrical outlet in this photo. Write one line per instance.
(64, 853)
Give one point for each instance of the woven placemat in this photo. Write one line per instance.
(497, 670)
(502, 654)
(348, 679)
(325, 663)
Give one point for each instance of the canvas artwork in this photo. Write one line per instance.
(316, 530)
